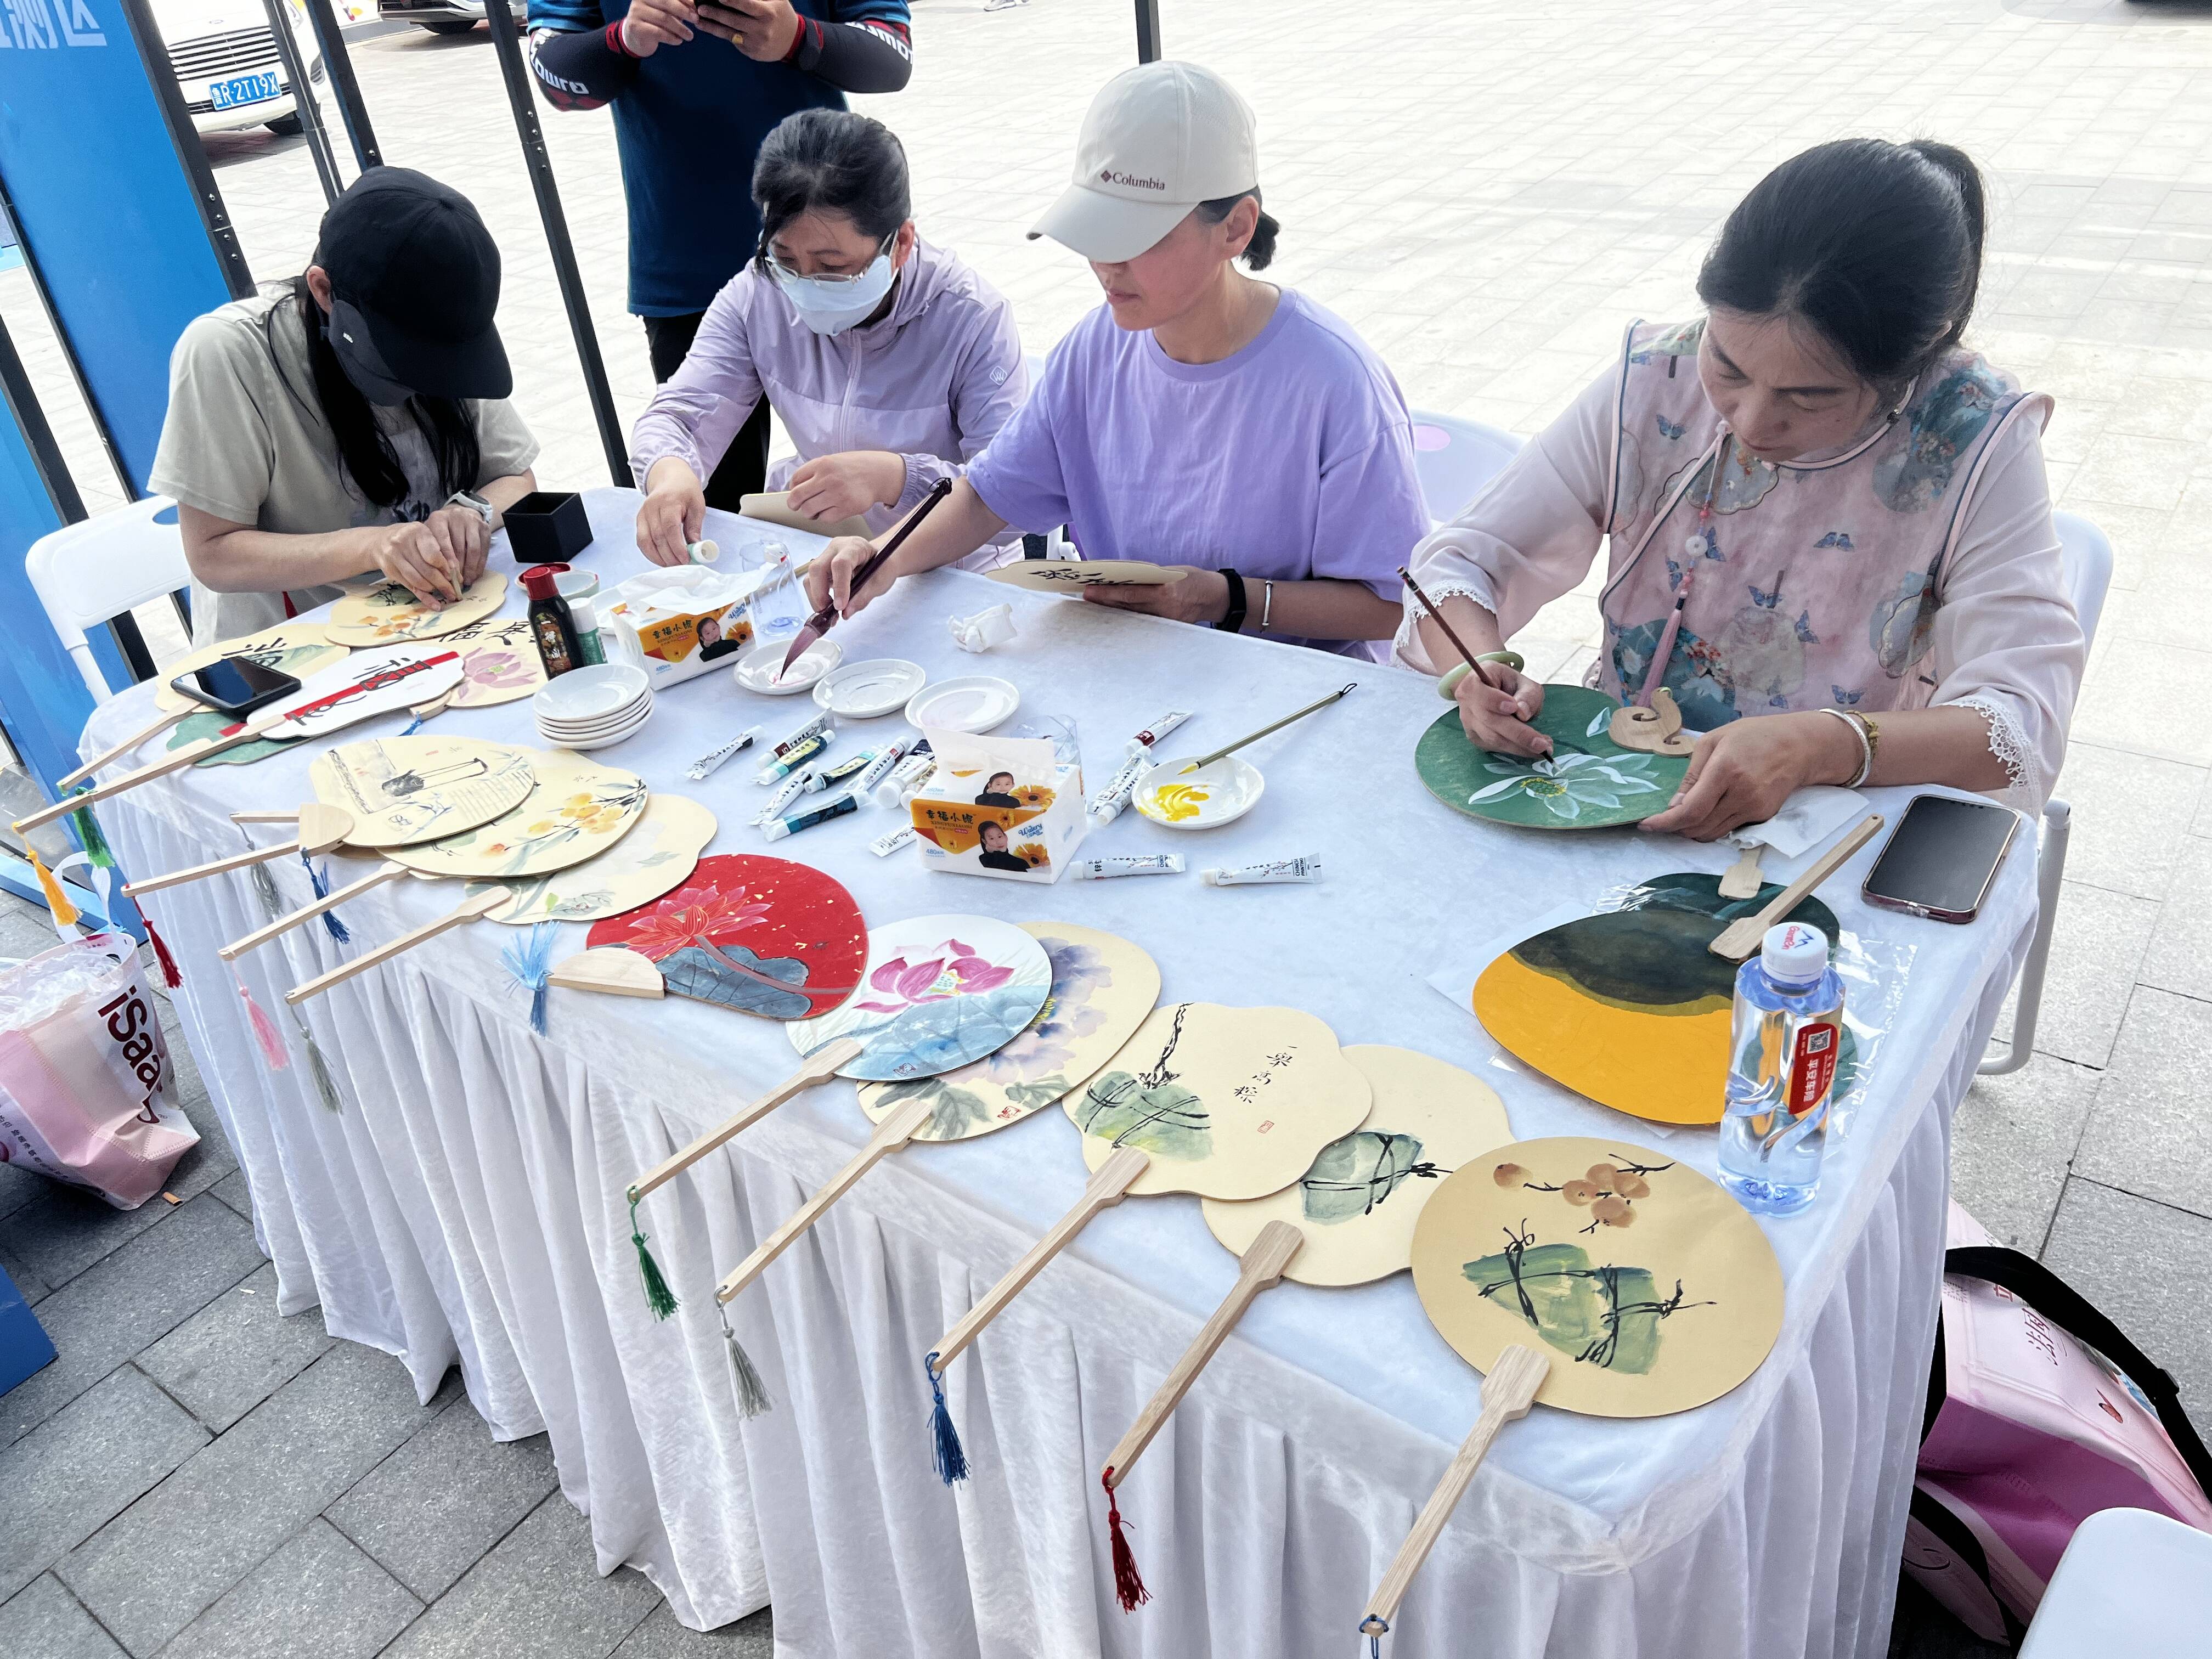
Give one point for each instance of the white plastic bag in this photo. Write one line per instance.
(85, 1078)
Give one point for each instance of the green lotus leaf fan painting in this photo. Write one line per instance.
(1354, 1175)
(1166, 1120)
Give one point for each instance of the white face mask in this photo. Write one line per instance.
(831, 305)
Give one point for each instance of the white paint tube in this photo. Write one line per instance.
(878, 768)
(819, 723)
(1143, 741)
(908, 776)
(1106, 806)
(1275, 870)
(788, 791)
(701, 769)
(1147, 864)
(884, 846)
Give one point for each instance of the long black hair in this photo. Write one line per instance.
(363, 446)
(831, 161)
(1261, 248)
(1878, 245)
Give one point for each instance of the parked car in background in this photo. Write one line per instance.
(443, 16)
(227, 65)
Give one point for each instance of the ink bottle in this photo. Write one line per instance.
(1784, 1041)
(552, 628)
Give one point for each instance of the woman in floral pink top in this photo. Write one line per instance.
(1820, 509)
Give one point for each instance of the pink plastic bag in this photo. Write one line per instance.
(2041, 1413)
(85, 1074)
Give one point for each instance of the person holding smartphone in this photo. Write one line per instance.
(891, 362)
(1829, 527)
(353, 420)
(696, 87)
(1200, 418)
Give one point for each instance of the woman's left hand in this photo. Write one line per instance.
(1742, 773)
(464, 538)
(834, 487)
(762, 29)
(1202, 597)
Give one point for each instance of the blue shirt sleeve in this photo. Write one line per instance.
(566, 15)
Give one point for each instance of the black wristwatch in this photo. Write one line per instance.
(1233, 622)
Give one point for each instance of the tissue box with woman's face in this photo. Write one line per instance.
(682, 621)
(1000, 807)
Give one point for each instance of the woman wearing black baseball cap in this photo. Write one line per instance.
(354, 419)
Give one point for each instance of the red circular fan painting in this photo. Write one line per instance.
(764, 936)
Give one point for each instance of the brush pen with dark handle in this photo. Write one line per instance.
(826, 618)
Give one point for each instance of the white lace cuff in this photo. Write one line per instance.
(1406, 649)
(2010, 744)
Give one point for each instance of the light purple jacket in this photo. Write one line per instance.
(933, 382)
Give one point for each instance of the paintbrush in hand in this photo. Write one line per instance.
(826, 618)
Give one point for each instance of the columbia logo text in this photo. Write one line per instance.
(1130, 180)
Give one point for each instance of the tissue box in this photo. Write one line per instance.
(1002, 807)
(682, 621)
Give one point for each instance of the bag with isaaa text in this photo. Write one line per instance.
(85, 1078)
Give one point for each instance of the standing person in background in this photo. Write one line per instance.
(889, 362)
(690, 117)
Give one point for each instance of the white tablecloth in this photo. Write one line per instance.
(466, 1205)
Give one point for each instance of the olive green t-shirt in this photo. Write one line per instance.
(246, 440)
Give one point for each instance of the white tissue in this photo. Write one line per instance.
(1806, 820)
(984, 629)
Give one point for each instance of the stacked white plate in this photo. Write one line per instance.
(592, 707)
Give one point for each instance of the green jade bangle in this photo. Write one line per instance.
(1447, 686)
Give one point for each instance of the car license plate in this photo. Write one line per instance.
(245, 89)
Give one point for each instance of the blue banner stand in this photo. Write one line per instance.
(25, 1348)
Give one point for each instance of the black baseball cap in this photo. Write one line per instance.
(414, 276)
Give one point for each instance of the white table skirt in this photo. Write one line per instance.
(466, 1206)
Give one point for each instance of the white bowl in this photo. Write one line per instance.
(862, 690)
(758, 668)
(1210, 797)
(591, 693)
(973, 703)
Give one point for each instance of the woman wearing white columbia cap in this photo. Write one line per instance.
(1199, 418)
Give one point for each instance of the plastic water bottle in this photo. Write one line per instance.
(1783, 1044)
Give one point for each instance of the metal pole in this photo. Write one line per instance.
(343, 88)
(534, 157)
(1148, 31)
(303, 99)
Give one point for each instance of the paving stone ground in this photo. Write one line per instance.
(1489, 191)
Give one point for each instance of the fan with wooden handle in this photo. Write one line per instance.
(321, 828)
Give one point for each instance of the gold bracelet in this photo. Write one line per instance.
(1872, 727)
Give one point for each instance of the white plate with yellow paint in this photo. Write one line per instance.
(1213, 795)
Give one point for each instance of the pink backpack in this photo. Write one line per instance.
(2040, 1412)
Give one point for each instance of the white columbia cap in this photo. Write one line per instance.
(1159, 139)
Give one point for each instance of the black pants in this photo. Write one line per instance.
(742, 470)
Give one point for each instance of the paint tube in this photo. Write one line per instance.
(701, 769)
(878, 768)
(777, 828)
(790, 760)
(702, 552)
(884, 846)
(1143, 741)
(1275, 870)
(821, 777)
(1147, 864)
(906, 777)
(786, 792)
(1106, 806)
(820, 723)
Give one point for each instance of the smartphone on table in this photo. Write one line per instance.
(1940, 858)
(235, 685)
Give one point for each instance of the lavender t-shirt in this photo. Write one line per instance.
(1292, 458)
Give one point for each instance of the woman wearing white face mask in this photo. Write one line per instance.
(888, 361)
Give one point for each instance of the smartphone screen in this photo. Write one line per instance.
(235, 684)
(1941, 854)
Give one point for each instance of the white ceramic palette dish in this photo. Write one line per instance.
(1213, 795)
(762, 668)
(974, 704)
(862, 690)
(588, 696)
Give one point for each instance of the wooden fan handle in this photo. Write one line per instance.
(1108, 1185)
(893, 1132)
(1507, 1394)
(68, 779)
(261, 936)
(1263, 1265)
(175, 761)
(819, 1067)
(213, 867)
(467, 910)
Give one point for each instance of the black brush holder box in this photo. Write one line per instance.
(548, 526)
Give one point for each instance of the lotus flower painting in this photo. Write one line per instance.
(938, 992)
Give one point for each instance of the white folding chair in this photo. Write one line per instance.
(95, 570)
(2088, 565)
(1454, 459)
(2131, 1582)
